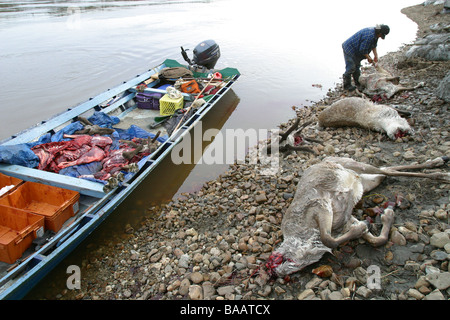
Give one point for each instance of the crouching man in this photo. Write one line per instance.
(357, 48)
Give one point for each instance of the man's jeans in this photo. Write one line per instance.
(352, 65)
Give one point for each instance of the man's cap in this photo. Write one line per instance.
(382, 29)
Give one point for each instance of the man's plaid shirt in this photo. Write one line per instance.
(361, 43)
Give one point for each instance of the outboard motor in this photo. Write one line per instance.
(206, 55)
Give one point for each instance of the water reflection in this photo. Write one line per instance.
(11, 8)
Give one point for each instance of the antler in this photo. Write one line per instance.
(289, 131)
(288, 147)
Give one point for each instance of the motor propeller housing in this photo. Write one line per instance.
(205, 55)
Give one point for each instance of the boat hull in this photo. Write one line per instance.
(27, 273)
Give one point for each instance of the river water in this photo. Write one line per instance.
(57, 54)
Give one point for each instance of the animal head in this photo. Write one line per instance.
(292, 139)
(398, 128)
(294, 254)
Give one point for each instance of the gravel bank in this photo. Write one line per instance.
(212, 244)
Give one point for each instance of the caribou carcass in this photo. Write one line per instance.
(360, 112)
(382, 83)
(320, 215)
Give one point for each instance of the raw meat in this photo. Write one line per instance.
(95, 154)
(52, 154)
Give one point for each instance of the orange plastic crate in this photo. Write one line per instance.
(9, 181)
(18, 229)
(55, 204)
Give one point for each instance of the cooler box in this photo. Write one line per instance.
(56, 205)
(18, 229)
(6, 182)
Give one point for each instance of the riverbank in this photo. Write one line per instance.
(213, 244)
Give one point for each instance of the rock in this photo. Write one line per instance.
(433, 47)
(208, 290)
(440, 281)
(447, 248)
(439, 239)
(401, 255)
(434, 295)
(329, 150)
(441, 214)
(360, 274)
(195, 292)
(314, 282)
(266, 291)
(325, 294)
(408, 234)
(415, 294)
(127, 293)
(335, 295)
(191, 232)
(260, 198)
(346, 293)
(421, 282)
(417, 248)
(397, 238)
(222, 291)
(184, 260)
(196, 277)
(364, 292)
(305, 294)
(443, 90)
(279, 290)
(184, 287)
(439, 255)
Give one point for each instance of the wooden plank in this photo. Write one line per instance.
(82, 186)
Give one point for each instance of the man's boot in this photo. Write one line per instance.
(348, 82)
(356, 76)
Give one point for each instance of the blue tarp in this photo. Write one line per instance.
(19, 154)
(24, 156)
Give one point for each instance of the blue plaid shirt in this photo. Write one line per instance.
(360, 43)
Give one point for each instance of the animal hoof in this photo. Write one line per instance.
(387, 217)
(120, 176)
(134, 167)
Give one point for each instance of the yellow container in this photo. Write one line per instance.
(168, 106)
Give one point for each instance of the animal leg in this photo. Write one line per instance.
(130, 154)
(387, 219)
(430, 164)
(394, 80)
(362, 168)
(324, 218)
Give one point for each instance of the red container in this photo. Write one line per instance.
(55, 204)
(18, 229)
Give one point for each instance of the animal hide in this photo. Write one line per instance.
(359, 112)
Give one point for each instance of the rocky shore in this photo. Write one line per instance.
(213, 244)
